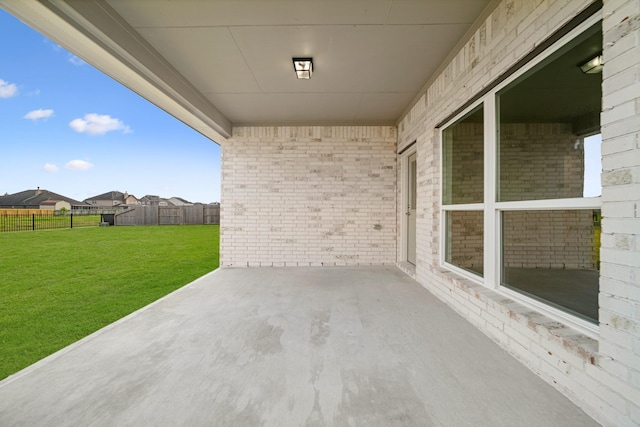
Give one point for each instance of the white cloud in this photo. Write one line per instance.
(38, 114)
(54, 46)
(75, 60)
(7, 90)
(48, 167)
(98, 124)
(78, 165)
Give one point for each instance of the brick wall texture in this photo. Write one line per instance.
(465, 247)
(464, 163)
(550, 239)
(600, 374)
(620, 250)
(300, 196)
(540, 161)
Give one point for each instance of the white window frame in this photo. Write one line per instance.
(463, 206)
(493, 209)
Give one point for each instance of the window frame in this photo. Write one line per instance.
(461, 206)
(492, 209)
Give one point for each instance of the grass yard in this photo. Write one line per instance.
(57, 286)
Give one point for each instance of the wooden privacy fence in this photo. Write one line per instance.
(19, 211)
(169, 215)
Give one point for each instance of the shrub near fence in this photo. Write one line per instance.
(46, 220)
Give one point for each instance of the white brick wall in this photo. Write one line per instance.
(619, 369)
(603, 375)
(294, 196)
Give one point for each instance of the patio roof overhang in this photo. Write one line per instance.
(219, 64)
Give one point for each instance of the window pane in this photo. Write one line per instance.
(592, 166)
(413, 180)
(554, 256)
(543, 119)
(463, 160)
(464, 244)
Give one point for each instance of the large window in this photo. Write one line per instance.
(521, 181)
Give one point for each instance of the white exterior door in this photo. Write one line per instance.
(412, 175)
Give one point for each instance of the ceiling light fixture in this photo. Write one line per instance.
(593, 66)
(303, 67)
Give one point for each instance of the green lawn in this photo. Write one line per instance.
(57, 286)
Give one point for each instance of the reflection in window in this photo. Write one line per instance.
(554, 256)
(413, 180)
(463, 160)
(592, 166)
(543, 119)
(464, 240)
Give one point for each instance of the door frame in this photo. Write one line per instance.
(404, 201)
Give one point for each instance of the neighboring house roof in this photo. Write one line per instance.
(110, 195)
(173, 201)
(178, 201)
(49, 202)
(34, 198)
(114, 196)
(149, 200)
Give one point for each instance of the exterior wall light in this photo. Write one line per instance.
(303, 67)
(592, 66)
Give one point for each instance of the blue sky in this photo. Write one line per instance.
(592, 166)
(68, 128)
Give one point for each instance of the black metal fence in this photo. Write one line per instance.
(48, 220)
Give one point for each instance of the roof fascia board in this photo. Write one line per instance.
(117, 50)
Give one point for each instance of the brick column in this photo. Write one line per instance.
(619, 362)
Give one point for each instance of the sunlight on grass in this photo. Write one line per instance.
(58, 286)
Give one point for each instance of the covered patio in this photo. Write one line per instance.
(287, 346)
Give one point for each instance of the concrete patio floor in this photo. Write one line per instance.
(365, 346)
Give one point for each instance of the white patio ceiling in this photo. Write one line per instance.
(226, 63)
